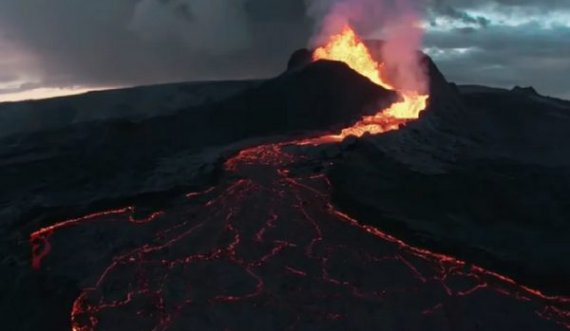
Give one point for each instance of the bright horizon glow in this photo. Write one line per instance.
(47, 93)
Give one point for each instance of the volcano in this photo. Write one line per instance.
(321, 199)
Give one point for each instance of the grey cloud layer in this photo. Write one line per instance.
(502, 55)
(108, 42)
(128, 42)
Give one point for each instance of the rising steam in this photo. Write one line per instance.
(397, 22)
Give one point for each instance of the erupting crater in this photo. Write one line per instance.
(265, 249)
(347, 47)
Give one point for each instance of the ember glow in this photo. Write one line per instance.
(256, 244)
(267, 242)
(347, 47)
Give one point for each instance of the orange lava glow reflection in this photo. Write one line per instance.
(347, 47)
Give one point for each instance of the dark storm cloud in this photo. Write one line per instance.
(442, 9)
(128, 42)
(19, 87)
(115, 42)
(7, 77)
(544, 4)
(523, 42)
(536, 57)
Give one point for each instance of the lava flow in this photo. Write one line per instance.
(347, 47)
(266, 250)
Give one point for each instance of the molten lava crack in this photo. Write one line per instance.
(266, 249)
(272, 242)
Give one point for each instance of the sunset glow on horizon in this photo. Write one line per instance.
(47, 93)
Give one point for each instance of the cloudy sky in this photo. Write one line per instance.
(52, 47)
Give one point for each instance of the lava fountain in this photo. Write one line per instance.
(349, 48)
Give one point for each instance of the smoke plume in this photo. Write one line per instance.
(396, 22)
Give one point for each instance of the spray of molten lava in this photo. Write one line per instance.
(347, 47)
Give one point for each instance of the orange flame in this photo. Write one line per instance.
(347, 47)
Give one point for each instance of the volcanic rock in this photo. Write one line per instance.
(119, 158)
(131, 104)
(82, 162)
(322, 96)
(299, 59)
(529, 90)
(476, 176)
(481, 175)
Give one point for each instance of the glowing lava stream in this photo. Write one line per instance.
(271, 243)
(266, 245)
(347, 47)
